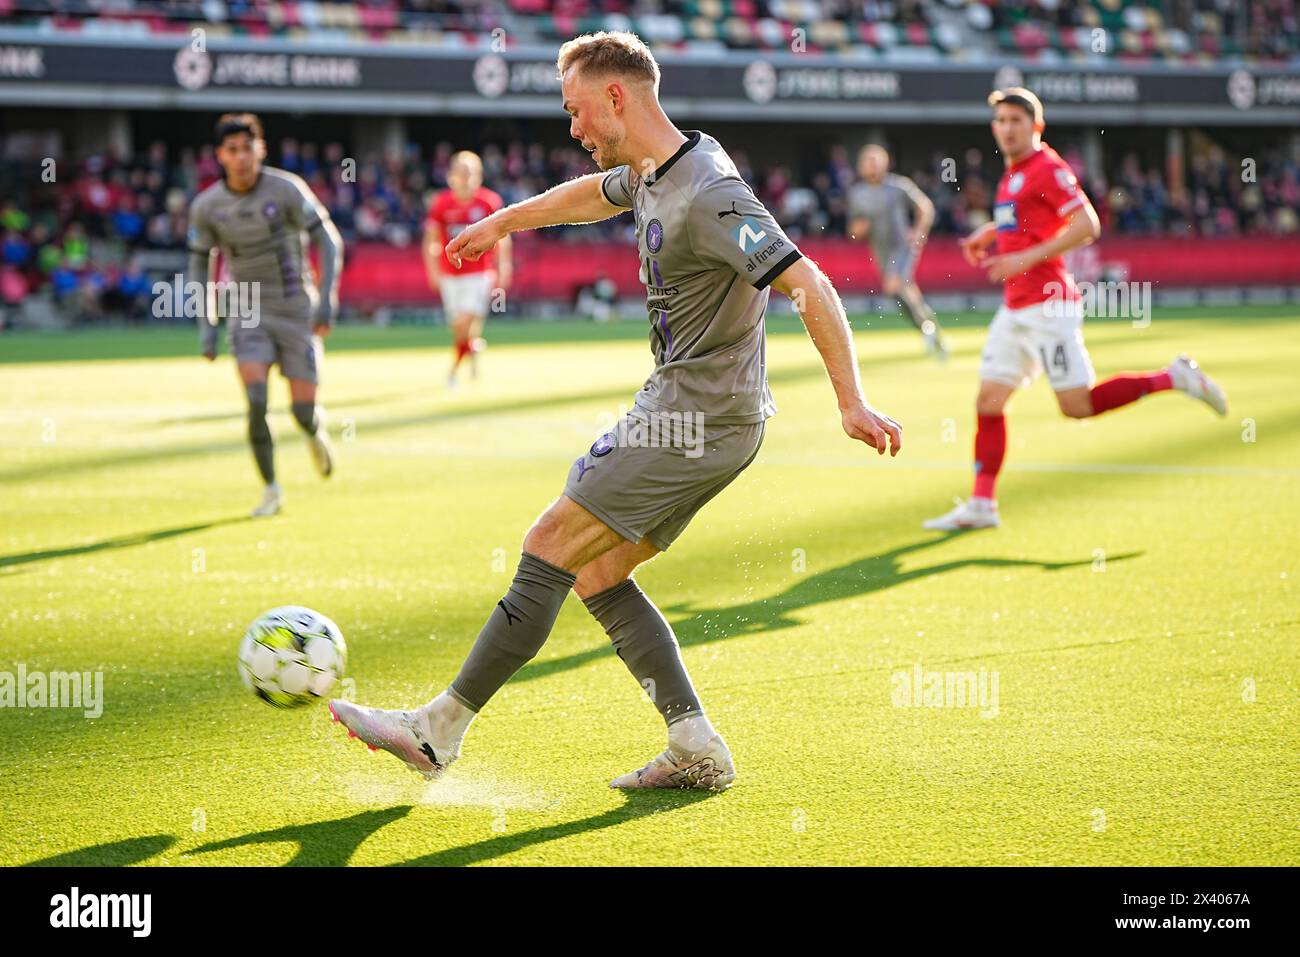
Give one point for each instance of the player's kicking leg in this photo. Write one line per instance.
(616, 512)
(428, 739)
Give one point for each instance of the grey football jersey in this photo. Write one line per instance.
(885, 205)
(263, 234)
(709, 251)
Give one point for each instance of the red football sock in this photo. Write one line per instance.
(462, 350)
(1122, 389)
(990, 450)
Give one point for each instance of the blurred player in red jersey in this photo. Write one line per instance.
(1041, 214)
(467, 289)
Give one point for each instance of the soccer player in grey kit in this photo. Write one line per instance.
(709, 253)
(880, 205)
(261, 218)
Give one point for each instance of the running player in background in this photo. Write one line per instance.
(878, 213)
(466, 289)
(260, 218)
(1041, 214)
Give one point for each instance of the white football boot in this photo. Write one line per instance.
(406, 735)
(272, 499)
(709, 768)
(976, 513)
(1187, 376)
(322, 453)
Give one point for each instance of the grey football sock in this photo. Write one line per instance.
(305, 414)
(917, 320)
(515, 631)
(259, 433)
(646, 643)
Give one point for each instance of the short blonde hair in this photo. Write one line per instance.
(1021, 97)
(609, 53)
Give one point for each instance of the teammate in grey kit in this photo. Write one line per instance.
(709, 254)
(261, 218)
(880, 207)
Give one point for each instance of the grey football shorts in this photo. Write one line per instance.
(899, 260)
(651, 474)
(276, 340)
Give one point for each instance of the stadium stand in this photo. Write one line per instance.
(1169, 30)
(84, 240)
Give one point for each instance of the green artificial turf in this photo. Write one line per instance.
(1139, 609)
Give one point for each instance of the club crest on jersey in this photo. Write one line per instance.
(654, 236)
(1004, 216)
(1016, 183)
(749, 235)
(269, 210)
(604, 445)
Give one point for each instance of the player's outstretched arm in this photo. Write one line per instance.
(823, 316)
(580, 200)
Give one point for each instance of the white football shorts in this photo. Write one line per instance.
(467, 294)
(1047, 336)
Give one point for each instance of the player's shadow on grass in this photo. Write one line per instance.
(862, 577)
(240, 414)
(479, 409)
(637, 804)
(332, 843)
(133, 850)
(322, 844)
(108, 544)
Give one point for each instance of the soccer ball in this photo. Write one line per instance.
(292, 656)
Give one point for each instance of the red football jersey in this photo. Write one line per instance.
(1035, 200)
(452, 216)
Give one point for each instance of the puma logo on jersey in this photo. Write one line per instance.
(730, 212)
